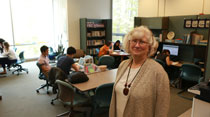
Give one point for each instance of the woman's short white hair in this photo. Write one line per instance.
(138, 33)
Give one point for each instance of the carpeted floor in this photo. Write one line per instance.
(19, 97)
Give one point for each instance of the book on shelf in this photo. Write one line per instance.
(188, 40)
(95, 42)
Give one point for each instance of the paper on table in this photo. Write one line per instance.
(175, 63)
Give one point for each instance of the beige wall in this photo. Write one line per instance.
(93, 9)
(154, 8)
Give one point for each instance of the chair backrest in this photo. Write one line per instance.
(66, 91)
(190, 72)
(79, 53)
(103, 94)
(107, 60)
(51, 50)
(161, 62)
(21, 56)
(41, 74)
(56, 73)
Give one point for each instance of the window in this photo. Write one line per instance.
(123, 13)
(29, 24)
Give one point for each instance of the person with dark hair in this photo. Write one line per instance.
(44, 60)
(105, 49)
(1, 44)
(117, 45)
(66, 62)
(165, 57)
(11, 57)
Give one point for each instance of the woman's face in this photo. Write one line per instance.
(139, 47)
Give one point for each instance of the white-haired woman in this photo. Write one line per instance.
(141, 88)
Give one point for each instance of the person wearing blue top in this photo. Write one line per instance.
(65, 63)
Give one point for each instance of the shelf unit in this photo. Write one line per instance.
(94, 33)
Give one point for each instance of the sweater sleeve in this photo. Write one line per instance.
(162, 95)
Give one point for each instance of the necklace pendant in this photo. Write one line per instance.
(125, 91)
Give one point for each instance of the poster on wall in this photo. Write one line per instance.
(201, 23)
(187, 23)
(207, 23)
(194, 23)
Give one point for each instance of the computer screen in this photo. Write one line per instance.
(174, 49)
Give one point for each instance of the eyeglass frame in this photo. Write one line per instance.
(139, 41)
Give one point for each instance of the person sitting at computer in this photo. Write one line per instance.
(65, 63)
(10, 57)
(165, 57)
(117, 45)
(104, 50)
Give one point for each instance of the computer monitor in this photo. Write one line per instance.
(174, 49)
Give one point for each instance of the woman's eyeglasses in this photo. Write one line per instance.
(140, 42)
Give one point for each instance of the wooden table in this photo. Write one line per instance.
(97, 79)
(121, 54)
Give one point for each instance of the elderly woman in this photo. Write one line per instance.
(142, 86)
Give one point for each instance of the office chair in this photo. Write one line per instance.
(79, 53)
(18, 64)
(161, 62)
(192, 73)
(42, 77)
(66, 94)
(102, 98)
(107, 60)
(52, 55)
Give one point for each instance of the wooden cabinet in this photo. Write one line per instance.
(94, 33)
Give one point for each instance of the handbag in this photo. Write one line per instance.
(78, 77)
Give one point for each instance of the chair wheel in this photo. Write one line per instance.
(52, 103)
(37, 91)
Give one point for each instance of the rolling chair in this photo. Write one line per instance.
(161, 62)
(42, 77)
(107, 60)
(102, 98)
(192, 73)
(18, 64)
(67, 95)
(52, 55)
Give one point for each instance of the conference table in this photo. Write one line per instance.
(121, 54)
(96, 79)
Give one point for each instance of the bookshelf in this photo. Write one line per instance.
(94, 33)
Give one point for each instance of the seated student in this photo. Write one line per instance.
(66, 62)
(11, 57)
(44, 60)
(165, 57)
(105, 49)
(117, 45)
(1, 44)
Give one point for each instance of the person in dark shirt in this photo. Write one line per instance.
(117, 45)
(165, 57)
(66, 62)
